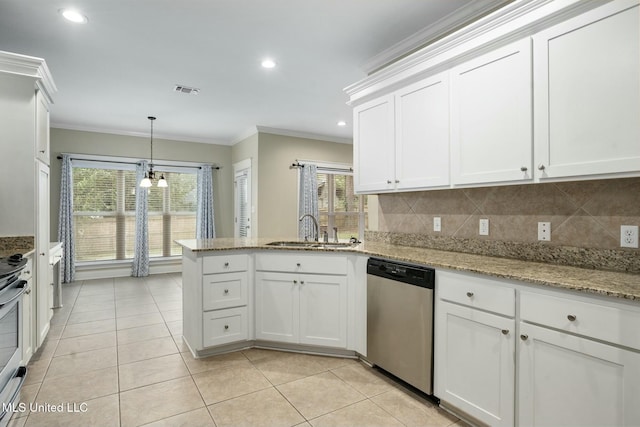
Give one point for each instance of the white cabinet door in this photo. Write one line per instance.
(491, 117)
(44, 291)
(373, 144)
(587, 93)
(323, 310)
(568, 381)
(422, 134)
(277, 307)
(475, 366)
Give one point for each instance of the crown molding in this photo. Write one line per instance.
(171, 137)
(305, 135)
(516, 20)
(244, 135)
(438, 29)
(29, 66)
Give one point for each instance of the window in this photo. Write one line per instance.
(338, 205)
(104, 201)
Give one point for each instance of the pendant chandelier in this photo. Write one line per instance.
(150, 175)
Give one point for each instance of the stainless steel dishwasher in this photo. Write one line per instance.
(400, 320)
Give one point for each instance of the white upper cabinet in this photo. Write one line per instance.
(401, 140)
(422, 134)
(373, 142)
(42, 127)
(491, 117)
(587, 94)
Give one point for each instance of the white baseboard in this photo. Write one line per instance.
(107, 270)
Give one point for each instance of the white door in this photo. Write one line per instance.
(475, 366)
(323, 310)
(277, 307)
(44, 291)
(242, 199)
(374, 146)
(587, 93)
(568, 381)
(491, 117)
(422, 133)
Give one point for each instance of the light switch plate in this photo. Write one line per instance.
(484, 227)
(544, 231)
(437, 223)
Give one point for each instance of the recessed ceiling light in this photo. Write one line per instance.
(73, 16)
(342, 123)
(268, 63)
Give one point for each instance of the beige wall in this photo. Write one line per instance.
(275, 183)
(585, 214)
(80, 142)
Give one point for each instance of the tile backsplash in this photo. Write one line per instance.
(585, 218)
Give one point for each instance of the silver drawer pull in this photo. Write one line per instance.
(302, 282)
(226, 264)
(298, 264)
(505, 332)
(469, 294)
(226, 327)
(524, 337)
(226, 291)
(572, 318)
(524, 168)
(295, 282)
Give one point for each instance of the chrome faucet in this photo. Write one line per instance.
(315, 223)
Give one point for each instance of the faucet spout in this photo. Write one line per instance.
(315, 224)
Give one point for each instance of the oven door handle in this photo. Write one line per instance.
(21, 373)
(13, 293)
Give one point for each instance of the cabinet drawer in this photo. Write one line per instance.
(225, 263)
(477, 292)
(224, 290)
(294, 262)
(224, 326)
(613, 324)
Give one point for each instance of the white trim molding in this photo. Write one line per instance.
(516, 20)
(29, 66)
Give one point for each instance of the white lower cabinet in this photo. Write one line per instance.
(224, 326)
(474, 351)
(555, 358)
(302, 308)
(567, 380)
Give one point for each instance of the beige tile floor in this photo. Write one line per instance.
(115, 351)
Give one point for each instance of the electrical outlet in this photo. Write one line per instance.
(437, 223)
(544, 231)
(629, 236)
(484, 227)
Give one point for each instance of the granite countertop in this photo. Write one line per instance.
(16, 245)
(609, 283)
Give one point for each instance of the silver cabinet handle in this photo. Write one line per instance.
(297, 264)
(388, 181)
(302, 282)
(572, 317)
(295, 282)
(524, 168)
(541, 167)
(28, 291)
(469, 294)
(505, 332)
(226, 291)
(397, 181)
(524, 337)
(27, 272)
(42, 254)
(226, 327)
(226, 264)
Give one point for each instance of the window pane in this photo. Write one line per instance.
(344, 199)
(104, 212)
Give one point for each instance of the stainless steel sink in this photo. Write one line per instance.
(312, 245)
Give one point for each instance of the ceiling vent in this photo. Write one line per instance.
(186, 89)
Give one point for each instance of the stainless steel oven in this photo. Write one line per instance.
(12, 375)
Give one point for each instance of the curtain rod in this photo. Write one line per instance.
(137, 163)
(297, 164)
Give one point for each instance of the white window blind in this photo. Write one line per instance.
(243, 204)
(104, 211)
(339, 207)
